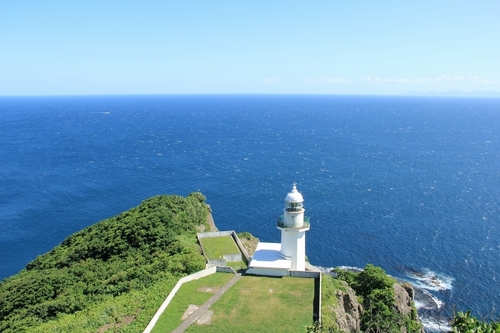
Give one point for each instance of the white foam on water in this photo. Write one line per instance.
(324, 269)
(428, 301)
(344, 268)
(429, 280)
(422, 305)
(350, 268)
(436, 300)
(435, 325)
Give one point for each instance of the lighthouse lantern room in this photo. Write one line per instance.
(293, 226)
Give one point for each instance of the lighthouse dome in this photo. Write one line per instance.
(294, 195)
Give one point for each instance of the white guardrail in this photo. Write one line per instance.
(195, 276)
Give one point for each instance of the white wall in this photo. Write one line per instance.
(174, 290)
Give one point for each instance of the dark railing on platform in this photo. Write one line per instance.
(281, 222)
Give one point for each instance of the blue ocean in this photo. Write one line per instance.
(411, 184)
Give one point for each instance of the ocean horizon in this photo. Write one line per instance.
(410, 184)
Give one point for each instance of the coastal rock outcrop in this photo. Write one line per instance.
(355, 307)
(403, 301)
(347, 311)
(403, 298)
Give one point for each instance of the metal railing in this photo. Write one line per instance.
(281, 222)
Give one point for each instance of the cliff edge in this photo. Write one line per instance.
(367, 301)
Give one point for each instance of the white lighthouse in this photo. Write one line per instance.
(293, 225)
(278, 259)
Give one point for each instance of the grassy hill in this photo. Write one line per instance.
(110, 276)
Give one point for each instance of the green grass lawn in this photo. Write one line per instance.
(193, 292)
(216, 247)
(263, 304)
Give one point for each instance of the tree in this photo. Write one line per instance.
(463, 322)
(375, 288)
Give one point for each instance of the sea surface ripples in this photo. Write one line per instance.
(408, 184)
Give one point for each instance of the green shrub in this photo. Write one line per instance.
(375, 291)
(245, 235)
(463, 322)
(126, 253)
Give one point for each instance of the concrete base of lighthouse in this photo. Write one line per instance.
(279, 259)
(268, 260)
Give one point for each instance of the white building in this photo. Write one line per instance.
(278, 259)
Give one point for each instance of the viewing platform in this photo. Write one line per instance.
(281, 223)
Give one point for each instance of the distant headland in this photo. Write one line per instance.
(456, 93)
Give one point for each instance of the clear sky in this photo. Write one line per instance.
(293, 47)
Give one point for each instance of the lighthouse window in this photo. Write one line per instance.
(294, 206)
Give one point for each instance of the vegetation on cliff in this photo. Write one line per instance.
(464, 322)
(111, 270)
(366, 302)
(248, 241)
(371, 301)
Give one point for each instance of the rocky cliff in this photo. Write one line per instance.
(346, 312)
(343, 309)
(404, 302)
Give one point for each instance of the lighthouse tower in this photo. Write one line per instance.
(280, 259)
(293, 225)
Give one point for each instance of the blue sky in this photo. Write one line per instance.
(255, 47)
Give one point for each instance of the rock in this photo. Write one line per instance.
(210, 221)
(403, 300)
(347, 311)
